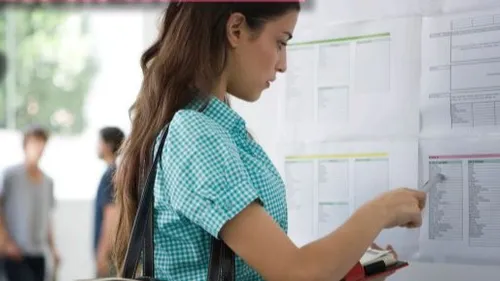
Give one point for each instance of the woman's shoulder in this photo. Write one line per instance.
(193, 133)
(194, 125)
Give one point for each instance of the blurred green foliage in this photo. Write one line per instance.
(54, 68)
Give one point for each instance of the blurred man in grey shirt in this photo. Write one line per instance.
(27, 200)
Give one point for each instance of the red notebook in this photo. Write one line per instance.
(374, 263)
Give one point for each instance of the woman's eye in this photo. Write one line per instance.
(281, 44)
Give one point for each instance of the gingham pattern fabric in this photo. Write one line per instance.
(210, 170)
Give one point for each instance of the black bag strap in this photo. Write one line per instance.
(148, 260)
(222, 261)
(137, 239)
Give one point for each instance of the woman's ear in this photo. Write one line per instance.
(236, 29)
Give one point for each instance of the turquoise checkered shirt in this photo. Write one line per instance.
(210, 171)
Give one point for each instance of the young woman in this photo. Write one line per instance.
(214, 180)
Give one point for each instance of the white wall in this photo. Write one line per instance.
(119, 37)
(73, 230)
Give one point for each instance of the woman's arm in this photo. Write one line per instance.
(213, 190)
(254, 236)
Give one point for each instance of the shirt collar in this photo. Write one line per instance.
(221, 113)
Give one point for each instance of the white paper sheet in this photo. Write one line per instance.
(450, 6)
(357, 10)
(354, 81)
(334, 64)
(461, 74)
(299, 93)
(336, 178)
(372, 178)
(331, 215)
(461, 220)
(299, 177)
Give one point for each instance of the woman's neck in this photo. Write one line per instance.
(220, 89)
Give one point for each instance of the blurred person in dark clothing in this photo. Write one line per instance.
(27, 200)
(3, 66)
(110, 140)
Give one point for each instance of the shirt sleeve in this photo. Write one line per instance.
(108, 194)
(207, 180)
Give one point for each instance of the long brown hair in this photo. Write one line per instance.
(189, 53)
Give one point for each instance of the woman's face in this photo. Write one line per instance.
(254, 59)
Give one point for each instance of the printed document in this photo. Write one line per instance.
(327, 182)
(355, 80)
(461, 73)
(461, 221)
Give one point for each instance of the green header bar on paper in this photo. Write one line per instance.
(345, 39)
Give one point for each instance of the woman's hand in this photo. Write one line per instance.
(401, 207)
